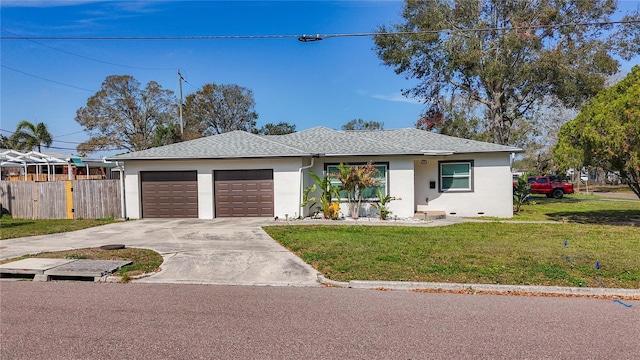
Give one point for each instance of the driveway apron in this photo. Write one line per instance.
(219, 251)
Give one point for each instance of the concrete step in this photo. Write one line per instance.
(430, 214)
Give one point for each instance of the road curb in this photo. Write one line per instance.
(484, 288)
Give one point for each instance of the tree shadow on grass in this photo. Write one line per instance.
(6, 225)
(600, 217)
(545, 200)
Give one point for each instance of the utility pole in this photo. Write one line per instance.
(180, 79)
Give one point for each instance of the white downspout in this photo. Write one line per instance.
(302, 184)
(123, 208)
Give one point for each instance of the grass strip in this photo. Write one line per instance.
(143, 260)
(14, 228)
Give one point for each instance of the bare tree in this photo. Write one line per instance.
(122, 115)
(216, 109)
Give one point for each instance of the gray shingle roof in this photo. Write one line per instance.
(318, 140)
(235, 144)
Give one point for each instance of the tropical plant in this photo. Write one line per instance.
(30, 137)
(354, 180)
(381, 204)
(325, 201)
(8, 142)
(521, 192)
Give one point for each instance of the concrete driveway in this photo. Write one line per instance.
(220, 251)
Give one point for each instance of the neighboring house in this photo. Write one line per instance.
(242, 174)
(49, 166)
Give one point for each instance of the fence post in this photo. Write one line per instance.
(69, 193)
(35, 200)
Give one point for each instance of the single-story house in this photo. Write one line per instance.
(243, 174)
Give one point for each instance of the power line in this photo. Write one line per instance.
(67, 142)
(73, 133)
(182, 76)
(92, 59)
(53, 138)
(45, 79)
(60, 148)
(320, 36)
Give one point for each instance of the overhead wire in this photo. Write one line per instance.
(320, 36)
(60, 148)
(45, 79)
(73, 133)
(89, 58)
(183, 72)
(53, 137)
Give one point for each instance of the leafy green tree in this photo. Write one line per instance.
(167, 134)
(606, 133)
(508, 56)
(280, 128)
(359, 124)
(29, 136)
(216, 109)
(122, 115)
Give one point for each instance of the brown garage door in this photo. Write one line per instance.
(244, 193)
(169, 194)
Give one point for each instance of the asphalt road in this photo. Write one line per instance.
(70, 320)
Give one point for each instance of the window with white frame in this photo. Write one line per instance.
(369, 193)
(456, 176)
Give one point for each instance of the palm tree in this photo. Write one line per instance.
(29, 136)
(7, 142)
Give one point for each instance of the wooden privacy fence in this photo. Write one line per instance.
(79, 199)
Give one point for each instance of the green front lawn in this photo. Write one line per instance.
(584, 209)
(495, 253)
(14, 228)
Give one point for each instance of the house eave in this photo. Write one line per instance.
(182, 158)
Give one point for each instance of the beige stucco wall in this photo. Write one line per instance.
(286, 182)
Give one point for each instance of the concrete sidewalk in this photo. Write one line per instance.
(625, 196)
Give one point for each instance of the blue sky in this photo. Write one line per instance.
(308, 84)
(325, 83)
